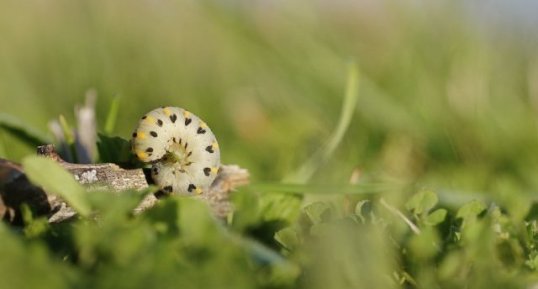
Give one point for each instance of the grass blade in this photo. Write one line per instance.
(307, 170)
(67, 130)
(112, 116)
(22, 131)
(54, 179)
(2, 146)
(366, 188)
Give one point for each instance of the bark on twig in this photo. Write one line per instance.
(101, 176)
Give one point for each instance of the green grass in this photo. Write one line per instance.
(432, 113)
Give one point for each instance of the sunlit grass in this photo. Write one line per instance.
(332, 106)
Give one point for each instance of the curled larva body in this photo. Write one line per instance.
(184, 153)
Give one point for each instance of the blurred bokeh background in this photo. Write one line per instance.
(447, 106)
(448, 90)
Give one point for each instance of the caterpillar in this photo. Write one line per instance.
(181, 148)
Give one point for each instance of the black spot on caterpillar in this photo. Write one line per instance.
(209, 149)
(207, 171)
(191, 188)
(176, 150)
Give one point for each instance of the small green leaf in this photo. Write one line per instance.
(33, 227)
(54, 179)
(317, 211)
(37, 228)
(422, 202)
(435, 218)
(195, 221)
(288, 237)
(321, 229)
(113, 149)
(249, 213)
(425, 245)
(283, 207)
(471, 210)
(29, 265)
(451, 265)
(532, 262)
(164, 216)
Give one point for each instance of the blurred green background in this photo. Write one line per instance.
(440, 91)
(447, 100)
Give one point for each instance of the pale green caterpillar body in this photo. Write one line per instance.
(183, 151)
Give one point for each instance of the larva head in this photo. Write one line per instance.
(183, 151)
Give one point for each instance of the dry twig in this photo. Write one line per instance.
(16, 189)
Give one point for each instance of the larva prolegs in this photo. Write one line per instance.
(182, 148)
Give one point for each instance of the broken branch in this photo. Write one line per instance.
(16, 189)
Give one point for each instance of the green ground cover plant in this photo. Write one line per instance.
(389, 145)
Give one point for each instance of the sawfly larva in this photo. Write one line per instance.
(183, 151)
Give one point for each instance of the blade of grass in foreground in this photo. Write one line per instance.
(321, 189)
(446, 197)
(22, 131)
(54, 179)
(2, 146)
(307, 170)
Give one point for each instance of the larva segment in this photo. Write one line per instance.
(183, 151)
